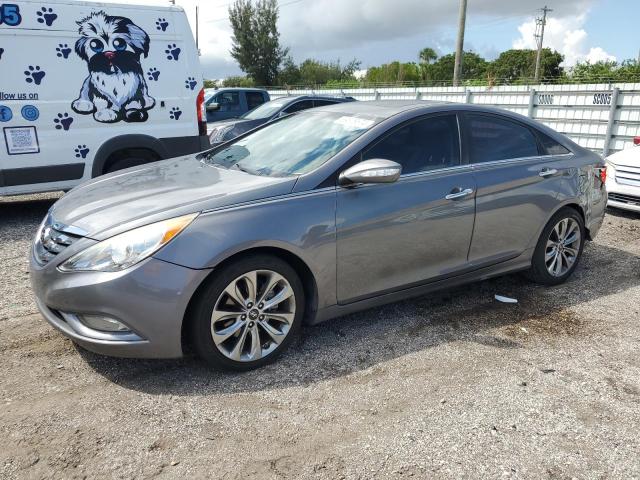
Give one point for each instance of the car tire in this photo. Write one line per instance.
(229, 335)
(558, 251)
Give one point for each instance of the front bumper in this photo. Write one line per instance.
(150, 298)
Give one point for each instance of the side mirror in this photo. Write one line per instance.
(376, 170)
(213, 106)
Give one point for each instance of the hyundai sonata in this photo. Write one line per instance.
(313, 216)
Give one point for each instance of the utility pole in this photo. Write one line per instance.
(540, 23)
(457, 66)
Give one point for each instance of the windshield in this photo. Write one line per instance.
(266, 110)
(208, 95)
(294, 145)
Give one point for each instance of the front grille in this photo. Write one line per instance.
(626, 175)
(619, 197)
(52, 239)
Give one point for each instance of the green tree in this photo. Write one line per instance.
(604, 71)
(519, 65)
(474, 67)
(210, 84)
(394, 72)
(316, 72)
(256, 40)
(427, 55)
(238, 81)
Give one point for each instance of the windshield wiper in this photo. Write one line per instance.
(237, 166)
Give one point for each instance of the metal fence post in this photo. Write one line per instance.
(377, 94)
(612, 118)
(467, 96)
(418, 94)
(532, 102)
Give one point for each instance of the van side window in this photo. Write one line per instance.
(427, 144)
(254, 99)
(493, 138)
(551, 146)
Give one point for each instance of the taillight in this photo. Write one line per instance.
(202, 113)
(603, 174)
(636, 140)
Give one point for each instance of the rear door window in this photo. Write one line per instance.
(254, 99)
(551, 146)
(426, 144)
(301, 105)
(491, 138)
(322, 103)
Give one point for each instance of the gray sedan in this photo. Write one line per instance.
(313, 216)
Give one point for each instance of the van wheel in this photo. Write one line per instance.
(559, 248)
(248, 314)
(129, 158)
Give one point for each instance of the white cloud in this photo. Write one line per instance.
(567, 36)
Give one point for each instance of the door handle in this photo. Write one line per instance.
(457, 193)
(547, 172)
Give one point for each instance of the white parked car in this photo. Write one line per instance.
(623, 178)
(89, 88)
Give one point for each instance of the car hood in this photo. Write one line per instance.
(628, 157)
(141, 195)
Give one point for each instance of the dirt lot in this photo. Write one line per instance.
(446, 386)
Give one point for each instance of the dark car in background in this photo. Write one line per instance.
(223, 103)
(227, 130)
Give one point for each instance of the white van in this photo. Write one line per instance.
(90, 88)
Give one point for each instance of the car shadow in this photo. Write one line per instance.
(618, 212)
(359, 341)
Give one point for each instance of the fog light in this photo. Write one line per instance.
(102, 323)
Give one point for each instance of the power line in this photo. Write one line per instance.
(540, 23)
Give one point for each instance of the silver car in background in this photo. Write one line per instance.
(313, 216)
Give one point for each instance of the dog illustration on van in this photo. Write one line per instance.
(115, 88)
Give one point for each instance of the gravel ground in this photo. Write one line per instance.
(445, 386)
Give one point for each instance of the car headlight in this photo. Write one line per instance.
(217, 135)
(125, 250)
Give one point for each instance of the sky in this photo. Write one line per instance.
(380, 31)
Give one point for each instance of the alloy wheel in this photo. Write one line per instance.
(253, 315)
(563, 246)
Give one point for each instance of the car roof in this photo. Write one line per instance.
(291, 98)
(234, 89)
(381, 108)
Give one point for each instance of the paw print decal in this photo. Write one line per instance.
(63, 121)
(1, 52)
(162, 24)
(172, 51)
(63, 50)
(175, 113)
(46, 15)
(34, 74)
(81, 151)
(190, 83)
(153, 74)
